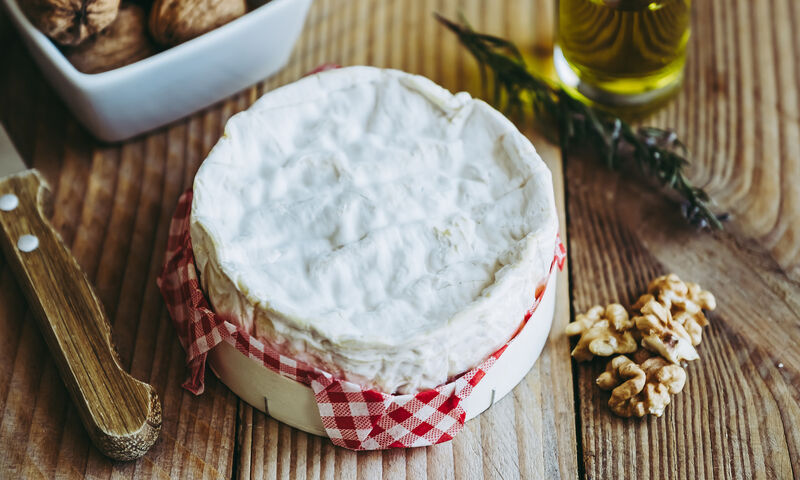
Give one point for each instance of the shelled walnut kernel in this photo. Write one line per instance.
(667, 322)
(639, 389)
(603, 332)
(660, 333)
(685, 302)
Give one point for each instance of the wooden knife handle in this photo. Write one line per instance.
(121, 414)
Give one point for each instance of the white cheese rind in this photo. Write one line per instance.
(372, 224)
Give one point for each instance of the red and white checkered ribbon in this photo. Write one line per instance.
(354, 417)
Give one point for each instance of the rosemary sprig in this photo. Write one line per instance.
(657, 152)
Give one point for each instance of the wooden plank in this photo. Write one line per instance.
(121, 414)
(111, 205)
(738, 416)
(735, 415)
(738, 112)
(740, 411)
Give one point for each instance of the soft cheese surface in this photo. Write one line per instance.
(371, 223)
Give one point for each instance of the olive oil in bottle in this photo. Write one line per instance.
(622, 52)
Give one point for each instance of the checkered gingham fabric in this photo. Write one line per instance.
(353, 417)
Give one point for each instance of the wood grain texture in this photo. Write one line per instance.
(736, 417)
(112, 205)
(739, 415)
(739, 112)
(121, 414)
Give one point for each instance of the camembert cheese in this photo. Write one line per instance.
(374, 225)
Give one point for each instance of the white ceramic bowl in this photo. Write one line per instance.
(127, 101)
(293, 403)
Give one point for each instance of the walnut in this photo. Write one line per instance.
(125, 41)
(603, 331)
(661, 334)
(668, 288)
(639, 356)
(639, 389)
(672, 291)
(70, 22)
(176, 21)
(685, 301)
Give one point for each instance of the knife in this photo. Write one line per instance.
(121, 414)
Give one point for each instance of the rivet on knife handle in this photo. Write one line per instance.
(121, 414)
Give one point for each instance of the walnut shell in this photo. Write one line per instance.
(125, 41)
(176, 21)
(70, 22)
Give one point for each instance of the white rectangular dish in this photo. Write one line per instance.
(130, 100)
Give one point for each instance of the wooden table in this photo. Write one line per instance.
(739, 415)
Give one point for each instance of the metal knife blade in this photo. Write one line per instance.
(10, 161)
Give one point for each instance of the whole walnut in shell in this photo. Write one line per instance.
(176, 21)
(70, 22)
(125, 41)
